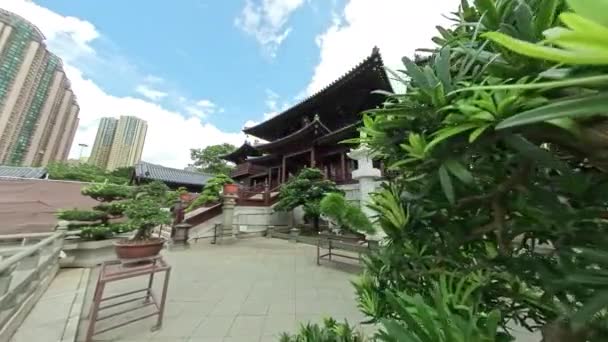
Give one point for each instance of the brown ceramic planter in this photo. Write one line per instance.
(231, 189)
(135, 249)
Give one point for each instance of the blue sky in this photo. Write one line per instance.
(199, 70)
(196, 47)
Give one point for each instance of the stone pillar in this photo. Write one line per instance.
(367, 175)
(228, 231)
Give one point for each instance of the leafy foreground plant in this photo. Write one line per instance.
(498, 162)
(330, 331)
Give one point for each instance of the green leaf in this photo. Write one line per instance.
(569, 108)
(458, 170)
(488, 9)
(535, 153)
(545, 16)
(446, 184)
(595, 10)
(415, 72)
(442, 66)
(591, 307)
(548, 53)
(477, 132)
(447, 132)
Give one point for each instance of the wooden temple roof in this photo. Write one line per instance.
(241, 153)
(338, 105)
(265, 160)
(305, 136)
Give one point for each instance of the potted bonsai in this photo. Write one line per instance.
(349, 220)
(145, 212)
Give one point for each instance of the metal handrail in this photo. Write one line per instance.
(6, 264)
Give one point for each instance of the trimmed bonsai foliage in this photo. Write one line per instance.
(84, 172)
(306, 189)
(83, 215)
(211, 192)
(107, 192)
(330, 331)
(345, 215)
(108, 218)
(145, 212)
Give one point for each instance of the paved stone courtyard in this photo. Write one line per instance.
(251, 290)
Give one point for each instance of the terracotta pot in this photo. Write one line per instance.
(231, 189)
(185, 197)
(135, 249)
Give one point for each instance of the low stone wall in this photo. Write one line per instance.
(82, 253)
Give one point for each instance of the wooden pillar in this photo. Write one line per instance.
(283, 171)
(313, 162)
(343, 165)
(269, 180)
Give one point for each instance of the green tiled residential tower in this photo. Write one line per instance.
(38, 110)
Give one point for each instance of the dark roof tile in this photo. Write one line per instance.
(166, 174)
(22, 172)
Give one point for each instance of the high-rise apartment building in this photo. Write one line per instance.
(128, 142)
(38, 110)
(103, 142)
(118, 143)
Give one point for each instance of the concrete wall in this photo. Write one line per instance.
(30, 205)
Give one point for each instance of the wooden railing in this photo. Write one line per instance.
(29, 263)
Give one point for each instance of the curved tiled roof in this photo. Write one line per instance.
(244, 151)
(22, 172)
(373, 62)
(151, 171)
(315, 127)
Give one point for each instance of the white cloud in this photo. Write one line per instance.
(170, 134)
(152, 79)
(266, 20)
(205, 103)
(150, 93)
(67, 36)
(272, 104)
(397, 27)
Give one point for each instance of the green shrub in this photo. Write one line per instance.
(121, 227)
(330, 331)
(106, 192)
(345, 215)
(88, 173)
(81, 215)
(211, 192)
(96, 233)
(115, 208)
(306, 189)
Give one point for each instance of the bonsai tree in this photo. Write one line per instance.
(108, 218)
(102, 221)
(211, 192)
(344, 215)
(145, 212)
(306, 189)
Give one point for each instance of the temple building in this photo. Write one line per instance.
(309, 133)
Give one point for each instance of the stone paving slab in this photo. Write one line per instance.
(251, 290)
(54, 318)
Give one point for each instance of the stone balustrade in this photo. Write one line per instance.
(29, 263)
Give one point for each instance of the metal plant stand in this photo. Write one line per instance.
(117, 270)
